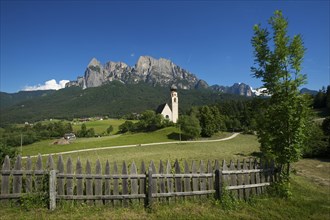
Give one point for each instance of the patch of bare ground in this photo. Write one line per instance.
(316, 170)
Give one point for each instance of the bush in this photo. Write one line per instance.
(7, 150)
(189, 126)
(316, 144)
(127, 126)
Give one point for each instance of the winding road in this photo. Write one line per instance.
(139, 145)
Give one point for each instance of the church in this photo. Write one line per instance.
(165, 109)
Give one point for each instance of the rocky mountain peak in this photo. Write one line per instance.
(94, 62)
(162, 72)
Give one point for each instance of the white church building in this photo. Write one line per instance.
(165, 109)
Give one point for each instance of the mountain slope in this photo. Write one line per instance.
(114, 99)
(9, 99)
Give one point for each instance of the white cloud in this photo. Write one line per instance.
(132, 54)
(49, 85)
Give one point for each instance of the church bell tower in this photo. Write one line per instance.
(175, 104)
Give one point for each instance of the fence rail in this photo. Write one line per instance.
(132, 185)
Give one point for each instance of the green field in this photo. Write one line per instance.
(310, 184)
(100, 126)
(169, 134)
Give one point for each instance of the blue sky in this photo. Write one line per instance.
(44, 40)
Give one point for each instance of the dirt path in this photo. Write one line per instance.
(139, 145)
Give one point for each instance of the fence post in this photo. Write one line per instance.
(52, 190)
(150, 186)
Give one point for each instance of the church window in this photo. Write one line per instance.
(174, 99)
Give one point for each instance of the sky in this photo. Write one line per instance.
(45, 43)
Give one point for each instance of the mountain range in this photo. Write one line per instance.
(116, 89)
(161, 72)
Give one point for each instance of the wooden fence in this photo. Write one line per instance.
(132, 185)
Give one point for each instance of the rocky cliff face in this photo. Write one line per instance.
(161, 72)
(237, 88)
(155, 72)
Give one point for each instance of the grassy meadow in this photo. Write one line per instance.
(310, 183)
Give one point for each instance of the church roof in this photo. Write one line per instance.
(160, 108)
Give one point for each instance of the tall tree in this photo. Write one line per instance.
(278, 59)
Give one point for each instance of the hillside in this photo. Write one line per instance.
(9, 99)
(114, 99)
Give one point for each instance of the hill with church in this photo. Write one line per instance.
(113, 99)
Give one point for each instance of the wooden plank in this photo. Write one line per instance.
(233, 178)
(184, 175)
(142, 181)
(154, 179)
(134, 182)
(161, 180)
(60, 180)
(69, 180)
(202, 179)
(195, 182)
(107, 186)
(22, 172)
(50, 163)
(240, 181)
(178, 181)
(150, 188)
(210, 180)
(217, 184)
(247, 186)
(191, 193)
(124, 184)
(38, 180)
(245, 171)
(97, 176)
(102, 197)
(52, 190)
(225, 180)
(89, 183)
(257, 177)
(252, 177)
(216, 165)
(262, 174)
(246, 181)
(28, 177)
(115, 184)
(17, 179)
(98, 182)
(186, 180)
(5, 178)
(169, 181)
(80, 183)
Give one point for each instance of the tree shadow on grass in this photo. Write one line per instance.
(176, 136)
(257, 154)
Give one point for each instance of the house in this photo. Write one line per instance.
(70, 136)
